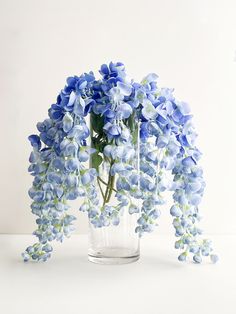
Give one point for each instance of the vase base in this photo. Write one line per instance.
(112, 260)
(113, 256)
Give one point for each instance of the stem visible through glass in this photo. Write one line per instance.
(109, 187)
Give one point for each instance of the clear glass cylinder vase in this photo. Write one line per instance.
(116, 242)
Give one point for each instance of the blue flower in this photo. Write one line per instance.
(184, 108)
(134, 179)
(154, 214)
(46, 139)
(58, 163)
(176, 211)
(84, 207)
(116, 221)
(182, 257)
(122, 184)
(35, 141)
(195, 199)
(110, 151)
(83, 106)
(167, 142)
(54, 178)
(104, 70)
(56, 112)
(194, 187)
(118, 168)
(83, 155)
(197, 259)
(124, 111)
(72, 194)
(162, 141)
(68, 148)
(188, 162)
(112, 130)
(115, 95)
(92, 213)
(67, 122)
(214, 258)
(47, 248)
(125, 89)
(173, 148)
(122, 199)
(79, 132)
(144, 132)
(103, 109)
(71, 164)
(133, 209)
(148, 111)
(152, 77)
(88, 176)
(146, 184)
(71, 82)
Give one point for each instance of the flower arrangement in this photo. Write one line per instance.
(166, 139)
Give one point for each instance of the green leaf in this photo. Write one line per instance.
(99, 143)
(96, 160)
(97, 123)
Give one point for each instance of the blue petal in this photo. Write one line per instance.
(82, 83)
(197, 259)
(188, 162)
(124, 111)
(195, 199)
(148, 111)
(151, 77)
(125, 89)
(54, 178)
(86, 178)
(184, 108)
(71, 164)
(71, 99)
(71, 81)
(67, 122)
(72, 194)
(177, 116)
(133, 209)
(104, 69)
(162, 141)
(175, 211)
(182, 257)
(118, 168)
(35, 141)
(79, 106)
(58, 163)
(214, 258)
(83, 155)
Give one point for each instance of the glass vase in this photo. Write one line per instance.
(117, 242)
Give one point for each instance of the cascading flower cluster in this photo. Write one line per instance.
(166, 138)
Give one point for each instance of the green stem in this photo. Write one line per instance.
(107, 190)
(99, 184)
(111, 188)
(100, 179)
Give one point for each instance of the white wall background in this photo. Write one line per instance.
(190, 44)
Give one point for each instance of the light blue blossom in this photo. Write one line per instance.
(197, 258)
(167, 143)
(112, 130)
(175, 211)
(182, 257)
(149, 112)
(133, 209)
(67, 122)
(214, 258)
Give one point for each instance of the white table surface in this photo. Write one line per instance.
(156, 284)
